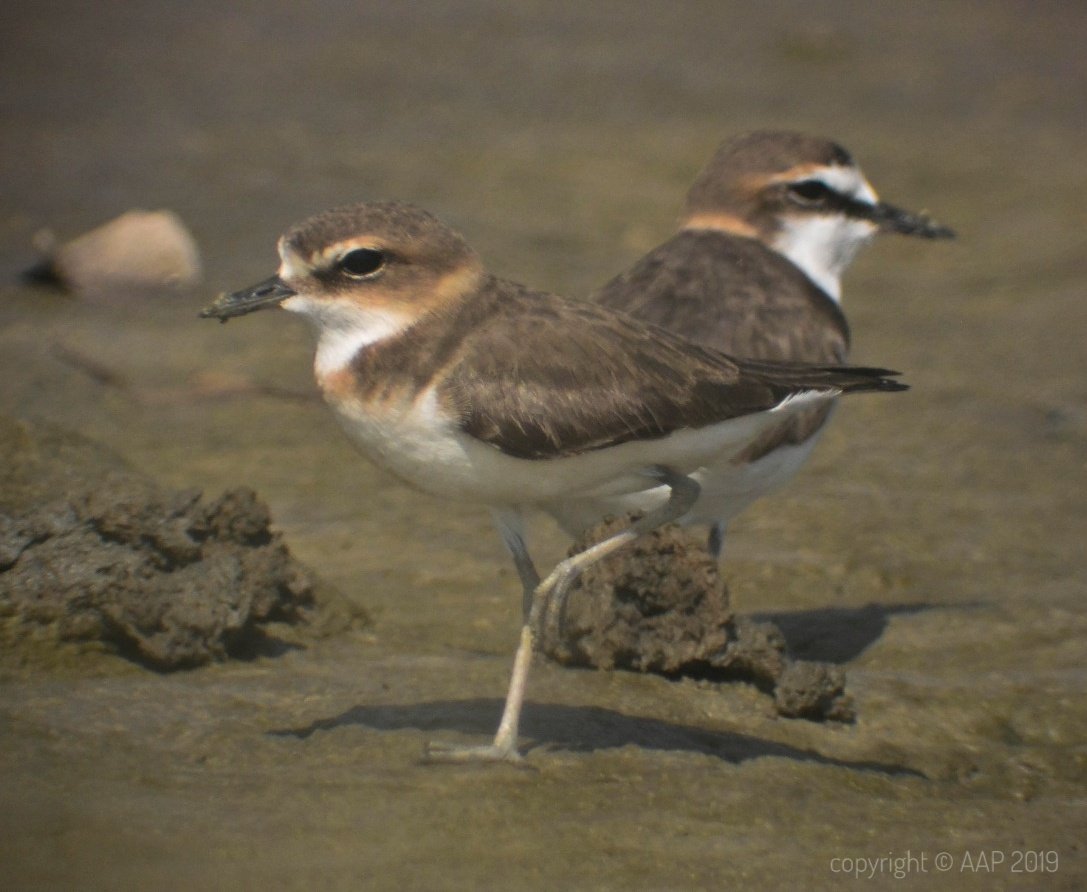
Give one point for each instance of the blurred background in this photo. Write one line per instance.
(560, 136)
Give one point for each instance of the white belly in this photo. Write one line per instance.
(419, 443)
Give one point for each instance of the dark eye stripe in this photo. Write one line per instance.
(820, 197)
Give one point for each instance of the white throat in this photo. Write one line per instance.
(823, 246)
(344, 328)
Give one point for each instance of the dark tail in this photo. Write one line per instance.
(796, 376)
(859, 379)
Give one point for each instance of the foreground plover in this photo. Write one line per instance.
(475, 388)
(769, 226)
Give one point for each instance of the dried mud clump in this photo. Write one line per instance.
(166, 578)
(810, 690)
(659, 605)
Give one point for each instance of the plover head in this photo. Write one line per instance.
(361, 273)
(360, 262)
(803, 196)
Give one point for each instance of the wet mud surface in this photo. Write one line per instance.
(931, 550)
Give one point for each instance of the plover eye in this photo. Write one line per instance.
(809, 191)
(361, 262)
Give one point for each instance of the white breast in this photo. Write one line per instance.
(412, 438)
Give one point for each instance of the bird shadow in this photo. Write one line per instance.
(836, 634)
(582, 729)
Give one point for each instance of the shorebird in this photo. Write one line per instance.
(475, 388)
(769, 226)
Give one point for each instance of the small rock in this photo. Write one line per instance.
(137, 250)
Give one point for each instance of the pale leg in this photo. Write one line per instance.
(683, 495)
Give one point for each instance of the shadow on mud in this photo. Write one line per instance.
(836, 634)
(577, 729)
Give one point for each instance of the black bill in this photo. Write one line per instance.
(268, 293)
(892, 219)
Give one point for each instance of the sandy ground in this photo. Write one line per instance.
(933, 546)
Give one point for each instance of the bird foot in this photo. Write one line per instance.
(444, 753)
